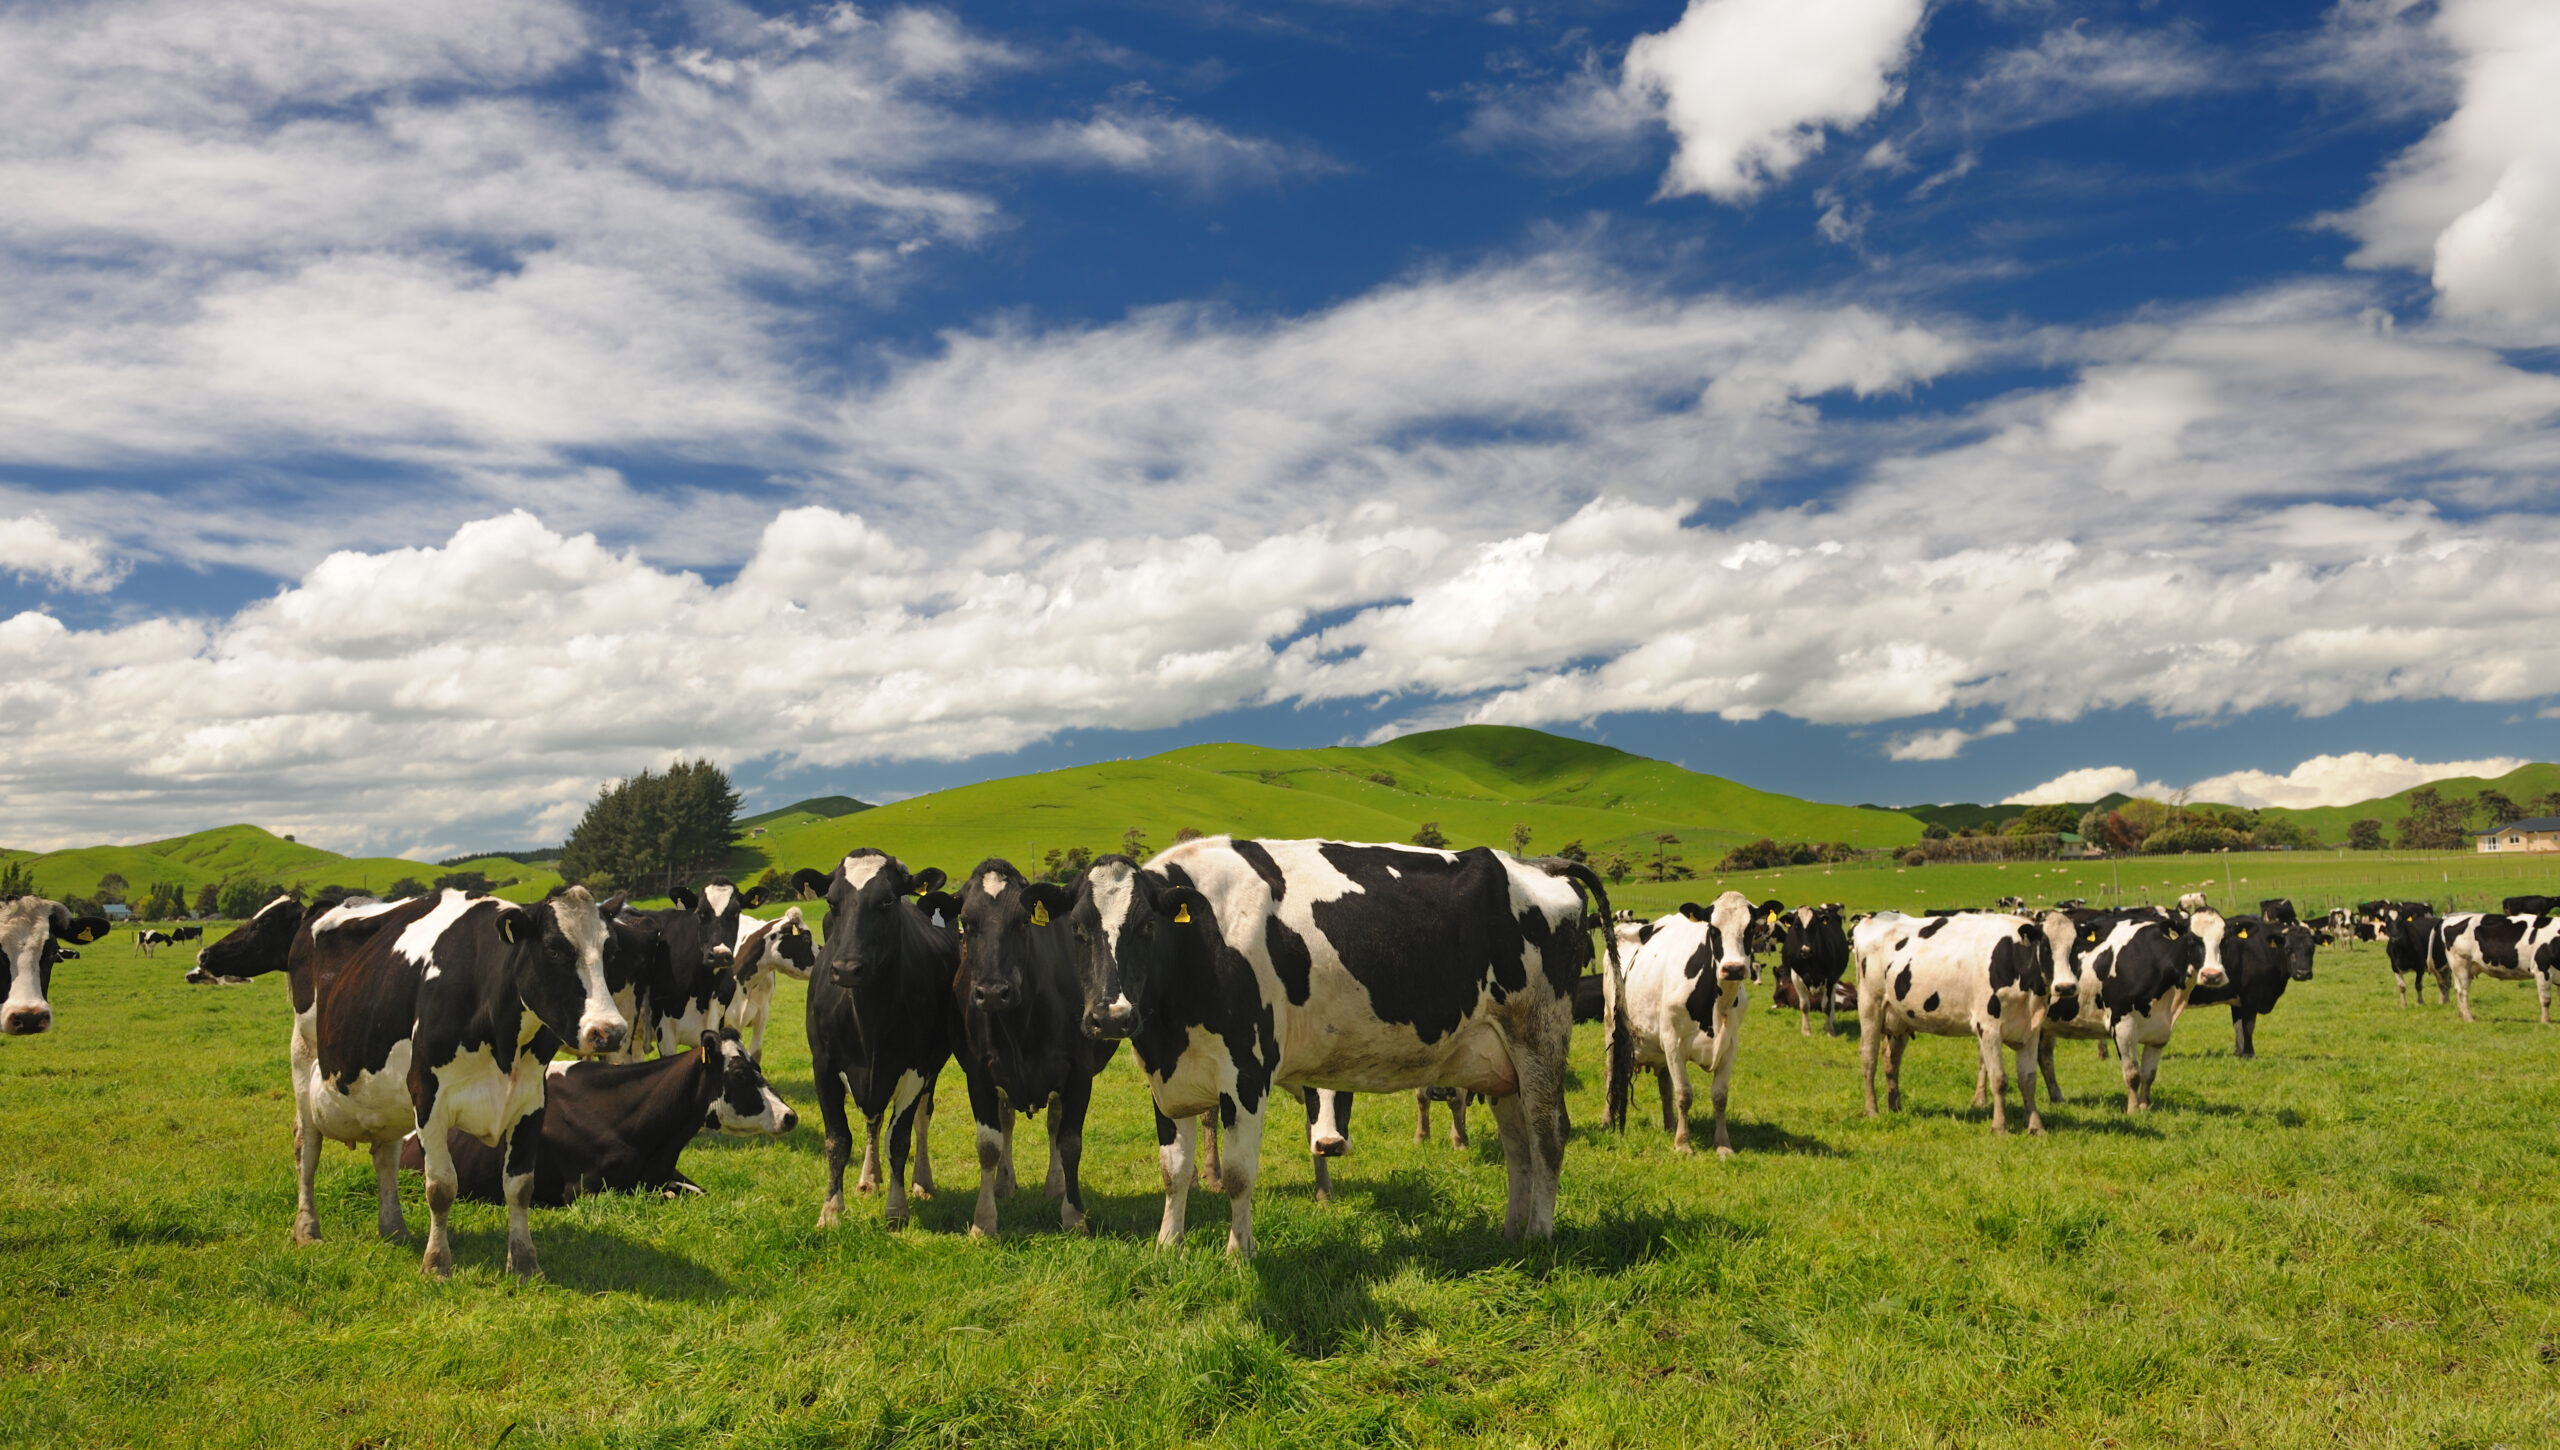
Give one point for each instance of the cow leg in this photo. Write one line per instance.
(1056, 1187)
(1728, 1043)
(1830, 1029)
(1066, 1152)
(2044, 1061)
(1422, 1115)
(1176, 1151)
(2129, 1055)
(438, 1150)
(1870, 1038)
(870, 1179)
(2150, 1074)
(1458, 1119)
(2030, 1055)
(519, 1149)
(906, 1121)
(994, 1117)
(924, 1144)
(2542, 989)
(1212, 1175)
(2401, 984)
(1996, 1073)
(839, 1145)
(307, 1141)
(1237, 1178)
(2248, 1033)
(1670, 1110)
(1675, 1077)
(1981, 1088)
(1005, 1185)
(2462, 991)
(386, 1191)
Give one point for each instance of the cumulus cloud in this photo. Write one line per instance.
(2475, 204)
(1944, 744)
(2095, 782)
(2323, 780)
(31, 547)
(1751, 87)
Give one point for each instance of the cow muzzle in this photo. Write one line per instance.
(1111, 1021)
(26, 1021)
(1331, 1145)
(2212, 976)
(994, 996)
(598, 1038)
(1734, 971)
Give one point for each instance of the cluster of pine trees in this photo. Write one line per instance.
(654, 830)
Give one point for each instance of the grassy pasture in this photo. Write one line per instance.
(2349, 1241)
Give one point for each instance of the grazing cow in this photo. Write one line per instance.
(2259, 957)
(1815, 956)
(187, 933)
(2406, 928)
(620, 1126)
(2528, 905)
(2469, 945)
(1984, 976)
(2125, 979)
(149, 940)
(2278, 910)
(32, 930)
(444, 1019)
(1021, 1041)
(1237, 968)
(1685, 993)
(766, 950)
(882, 1020)
(2193, 902)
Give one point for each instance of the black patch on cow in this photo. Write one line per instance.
(1931, 1005)
(1257, 856)
(1290, 960)
(2065, 1009)
(1902, 983)
(1226, 1111)
(1165, 1131)
(1992, 1004)
(1936, 924)
(2497, 937)
(1425, 933)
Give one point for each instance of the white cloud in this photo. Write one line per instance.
(2096, 782)
(2476, 203)
(1944, 744)
(2338, 780)
(2075, 68)
(1750, 87)
(32, 548)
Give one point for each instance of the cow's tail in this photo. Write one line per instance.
(1617, 1043)
(2436, 954)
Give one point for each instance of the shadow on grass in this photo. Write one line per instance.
(594, 1260)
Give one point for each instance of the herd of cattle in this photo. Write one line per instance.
(1238, 971)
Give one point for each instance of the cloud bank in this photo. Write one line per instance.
(2323, 780)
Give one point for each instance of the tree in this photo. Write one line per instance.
(164, 902)
(1615, 866)
(2279, 831)
(470, 883)
(1573, 851)
(1065, 866)
(2546, 804)
(1430, 836)
(2434, 823)
(1133, 844)
(1668, 867)
(408, 886)
(2499, 808)
(111, 887)
(654, 829)
(1934, 832)
(1520, 838)
(2051, 820)
(2364, 835)
(16, 880)
(242, 896)
(208, 900)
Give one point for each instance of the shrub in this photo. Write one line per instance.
(1430, 836)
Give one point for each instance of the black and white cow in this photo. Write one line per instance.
(2125, 979)
(2277, 910)
(764, 952)
(2408, 930)
(1815, 956)
(187, 933)
(443, 1019)
(882, 1021)
(32, 930)
(1022, 1043)
(2260, 956)
(1985, 976)
(149, 940)
(2193, 902)
(1456, 1099)
(619, 1127)
(1238, 969)
(1686, 989)
(2016, 905)
(2469, 945)
(673, 992)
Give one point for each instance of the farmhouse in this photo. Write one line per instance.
(2542, 833)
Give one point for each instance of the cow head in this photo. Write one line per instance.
(1000, 914)
(30, 929)
(1730, 922)
(746, 1105)
(2204, 935)
(255, 946)
(1128, 928)
(864, 899)
(2298, 943)
(783, 944)
(561, 946)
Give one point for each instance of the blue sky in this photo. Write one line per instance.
(419, 415)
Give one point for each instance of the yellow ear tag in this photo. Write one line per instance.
(1182, 913)
(1039, 913)
(2244, 933)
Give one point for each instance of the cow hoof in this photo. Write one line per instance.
(395, 1233)
(978, 1231)
(306, 1233)
(1723, 1154)
(1076, 1223)
(437, 1267)
(1683, 1149)
(831, 1215)
(896, 1221)
(2035, 1130)
(922, 1193)
(866, 1188)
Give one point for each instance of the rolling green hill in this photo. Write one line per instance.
(1476, 781)
(815, 808)
(2523, 784)
(228, 853)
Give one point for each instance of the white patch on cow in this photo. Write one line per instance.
(2208, 927)
(1393, 872)
(353, 909)
(373, 1108)
(281, 899)
(418, 939)
(1731, 914)
(26, 924)
(993, 883)
(582, 923)
(858, 870)
(1115, 890)
(718, 898)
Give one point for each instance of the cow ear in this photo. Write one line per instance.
(752, 897)
(1693, 911)
(1186, 906)
(810, 882)
(928, 879)
(613, 904)
(511, 927)
(710, 1045)
(82, 930)
(684, 899)
(1049, 902)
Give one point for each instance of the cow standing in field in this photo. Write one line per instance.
(1815, 955)
(1982, 976)
(1238, 969)
(2528, 905)
(619, 1127)
(679, 985)
(32, 930)
(147, 940)
(442, 1019)
(1685, 993)
(882, 1021)
(2407, 929)
(2193, 902)
(1456, 1099)
(1022, 1043)
(2126, 980)
(764, 952)
(2259, 957)
(2469, 945)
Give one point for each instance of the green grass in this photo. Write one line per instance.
(2349, 1241)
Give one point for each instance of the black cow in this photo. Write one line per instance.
(187, 933)
(1240, 968)
(2259, 958)
(1021, 1044)
(620, 1126)
(1815, 954)
(882, 1021)
(444, 1018)
(2407, 929)
(2278, 910)
(32, 930)
(677, 987)
(2528, 905)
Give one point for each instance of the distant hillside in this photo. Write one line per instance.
(1958, 815)
(1475, 781)
(2522, 784)
(228, 853)
(817, 807)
